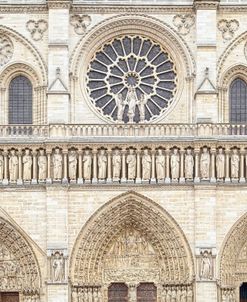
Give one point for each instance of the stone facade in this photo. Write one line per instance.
(116, 185)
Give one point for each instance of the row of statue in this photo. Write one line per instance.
(85, 294)
(228, 295)
(177, 294)
(115, 165)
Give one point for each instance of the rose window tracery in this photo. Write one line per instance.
(131, 79)
(6, 49)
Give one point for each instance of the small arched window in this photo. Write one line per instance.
(118, 292)
(238, 101)
(20, 101)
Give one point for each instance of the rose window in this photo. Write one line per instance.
(6, 50)
(131, 79)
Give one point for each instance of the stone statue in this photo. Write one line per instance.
(27, 165)
(42, 164)
(58, 267)
(72, 164)
(1, 166)
(160, 165)
(175, 160)
(102, 162)
(235, 164)
(163, 295)
(116, 164)
(141, 105)
(168, 295)
(131, 162)
(87, 165)
(146, 165)
(220, 164)
(173, 294)
(189, 164)
(189, 294)
(132, 101)
(206, 266)
(13, 166)
(205, 164)
(57, 164)
(120, 106)
(183, 296)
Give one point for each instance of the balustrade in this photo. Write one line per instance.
(118, 164)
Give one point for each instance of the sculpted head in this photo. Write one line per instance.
(27, 151)
(42, 152)
(220, 150)
(57, 150)
(159, 151)
(117, 152)
(12, 152)
(188, 151)
(205, 150)
(87, 152)
(102, 152)
(175, 151)
(235, 151)
(131, 151)
(145, 151)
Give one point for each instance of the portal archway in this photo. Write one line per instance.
(130, 240)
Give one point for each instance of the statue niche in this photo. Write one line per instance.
(131, 258)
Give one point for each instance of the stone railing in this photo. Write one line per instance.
(122, 130)
(121, 163)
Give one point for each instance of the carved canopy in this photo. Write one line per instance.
(18, 265)
(121, 240)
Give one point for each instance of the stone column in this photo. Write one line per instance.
(5, 176)
(132, 292)
(95, 169)
(124, 178)
(34, 179)
(153, 179)
(109, 166)
(138, 166)
(48, 179)
(227, 178)
(197, 178)
(19, 180)
(242, 155)
(80, 178)
(167, 179)
(182, 178)
(65, 166)
(213, 153)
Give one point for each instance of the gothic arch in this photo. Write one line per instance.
(233, 255)
(19, 267)
(131, 210)
(147, 26)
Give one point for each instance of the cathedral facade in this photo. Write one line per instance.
(123, 151)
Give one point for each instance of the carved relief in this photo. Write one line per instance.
(175, 161)
(6, 49)
(87, 165)
(116, 164)
(27, 165)
(160, 165)
(42, 165)
(235, 164)
(13, 166)
(72, 164)
(206, 269)
(102, 163)
(228, 28)
(37, 28)
(220, 165)
(146, 165)
(80, 23)
(184, 23)
(176, 293)
(205, 163)
(57, 164)
(57, 261)
(189, 164)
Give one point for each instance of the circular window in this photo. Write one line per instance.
(131, 79)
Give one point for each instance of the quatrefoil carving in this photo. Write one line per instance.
(80, 23)
(37, 28)
(228, 28)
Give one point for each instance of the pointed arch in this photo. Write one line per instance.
(18, 263)
(233, 255)
(145, 216)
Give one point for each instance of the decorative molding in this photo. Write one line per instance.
(80, 23)
(23, 9)
(184, 23)
(37, 28)
(206, 4)
(58, 4)
(228, 28)
(6, 49)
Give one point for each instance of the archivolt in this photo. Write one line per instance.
(104, 227)
(19, 266)
(230, 260)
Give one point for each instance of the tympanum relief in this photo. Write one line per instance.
(131, 258)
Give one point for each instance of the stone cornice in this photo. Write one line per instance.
(240, 9)
(206, 4)
(59, 4)
(22, 9)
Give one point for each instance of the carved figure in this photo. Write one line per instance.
(42, 164)
(27, 165)
(173, 295)
(120, 106)
(235, 164)
(189, 295)
(168, 295)
(131, 162)
(58, 267)
(206, 266)
(57, 164)
(102, 162)
(13, 166)
(205, 164)
(6, 49)
(183, 295)
(141, 105)
(189, 164)
(132, 101)
(87, 165)
(175, 160)
(146, 165)
(1, 166)
(72, 164)
(160, 165)
(220, 164)
(116, 163)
